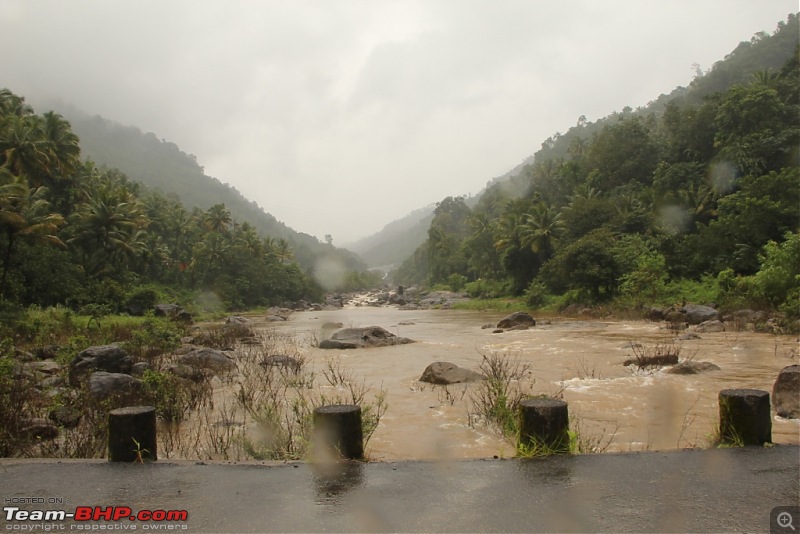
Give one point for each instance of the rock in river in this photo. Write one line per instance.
(690, 367)
(517, 319)
(449, 373)
(371, 336)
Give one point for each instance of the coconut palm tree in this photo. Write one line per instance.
(11, 104)
(217, 219)
(541, 229)
(24, 214)
(62, 143)
(23, 147)
(109, 224)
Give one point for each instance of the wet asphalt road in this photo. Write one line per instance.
(725, 490)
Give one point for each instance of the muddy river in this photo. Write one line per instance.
(581, 360)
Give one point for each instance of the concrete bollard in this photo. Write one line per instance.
(544, 423)
(132, 434)
(744, 417)
(338, 433)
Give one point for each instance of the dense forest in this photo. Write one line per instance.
(695, 196)
(89, 238)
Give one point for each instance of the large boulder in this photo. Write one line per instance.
(371, 336)
(109, 358)
(210, 359)
(786, 392)
(696, 314)
(449, 373)
(517, 319)
(122, 387)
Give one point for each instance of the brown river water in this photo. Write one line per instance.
(582, 360)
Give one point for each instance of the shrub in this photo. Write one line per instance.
(173, 396)
(141, 300)
(536, 294)
(486, 289)
(456, 282)
(155, 336)
(496, 399)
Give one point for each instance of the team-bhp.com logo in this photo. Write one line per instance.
(95, 514)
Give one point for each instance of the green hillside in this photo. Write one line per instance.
(161, 165)
(694, 196)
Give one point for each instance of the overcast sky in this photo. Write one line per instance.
(339, 116)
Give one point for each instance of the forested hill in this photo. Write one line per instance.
(396, 241)
(693, 196)
(163, 166)
(400, 238)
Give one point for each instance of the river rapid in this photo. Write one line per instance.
(582, 360)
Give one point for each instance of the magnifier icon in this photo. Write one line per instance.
(785, 520)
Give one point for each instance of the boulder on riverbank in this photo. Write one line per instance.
(122, 387)
(370, 336)
(210, 359)
(786, 392)
(109, 358)
(696, 314)
(445, 373)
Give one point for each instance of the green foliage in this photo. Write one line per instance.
(776, 284)
(89, 238)
(486, 289)
(645, 206)
(154, 337)
(536, 295)
(647, 282)
(588, 265)
(174, 397)
(778, 280)
(141, 300)
(456, 282)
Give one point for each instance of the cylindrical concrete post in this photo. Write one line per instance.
(544, 423)
(337, 432)
(744, 417)
(132, 434)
